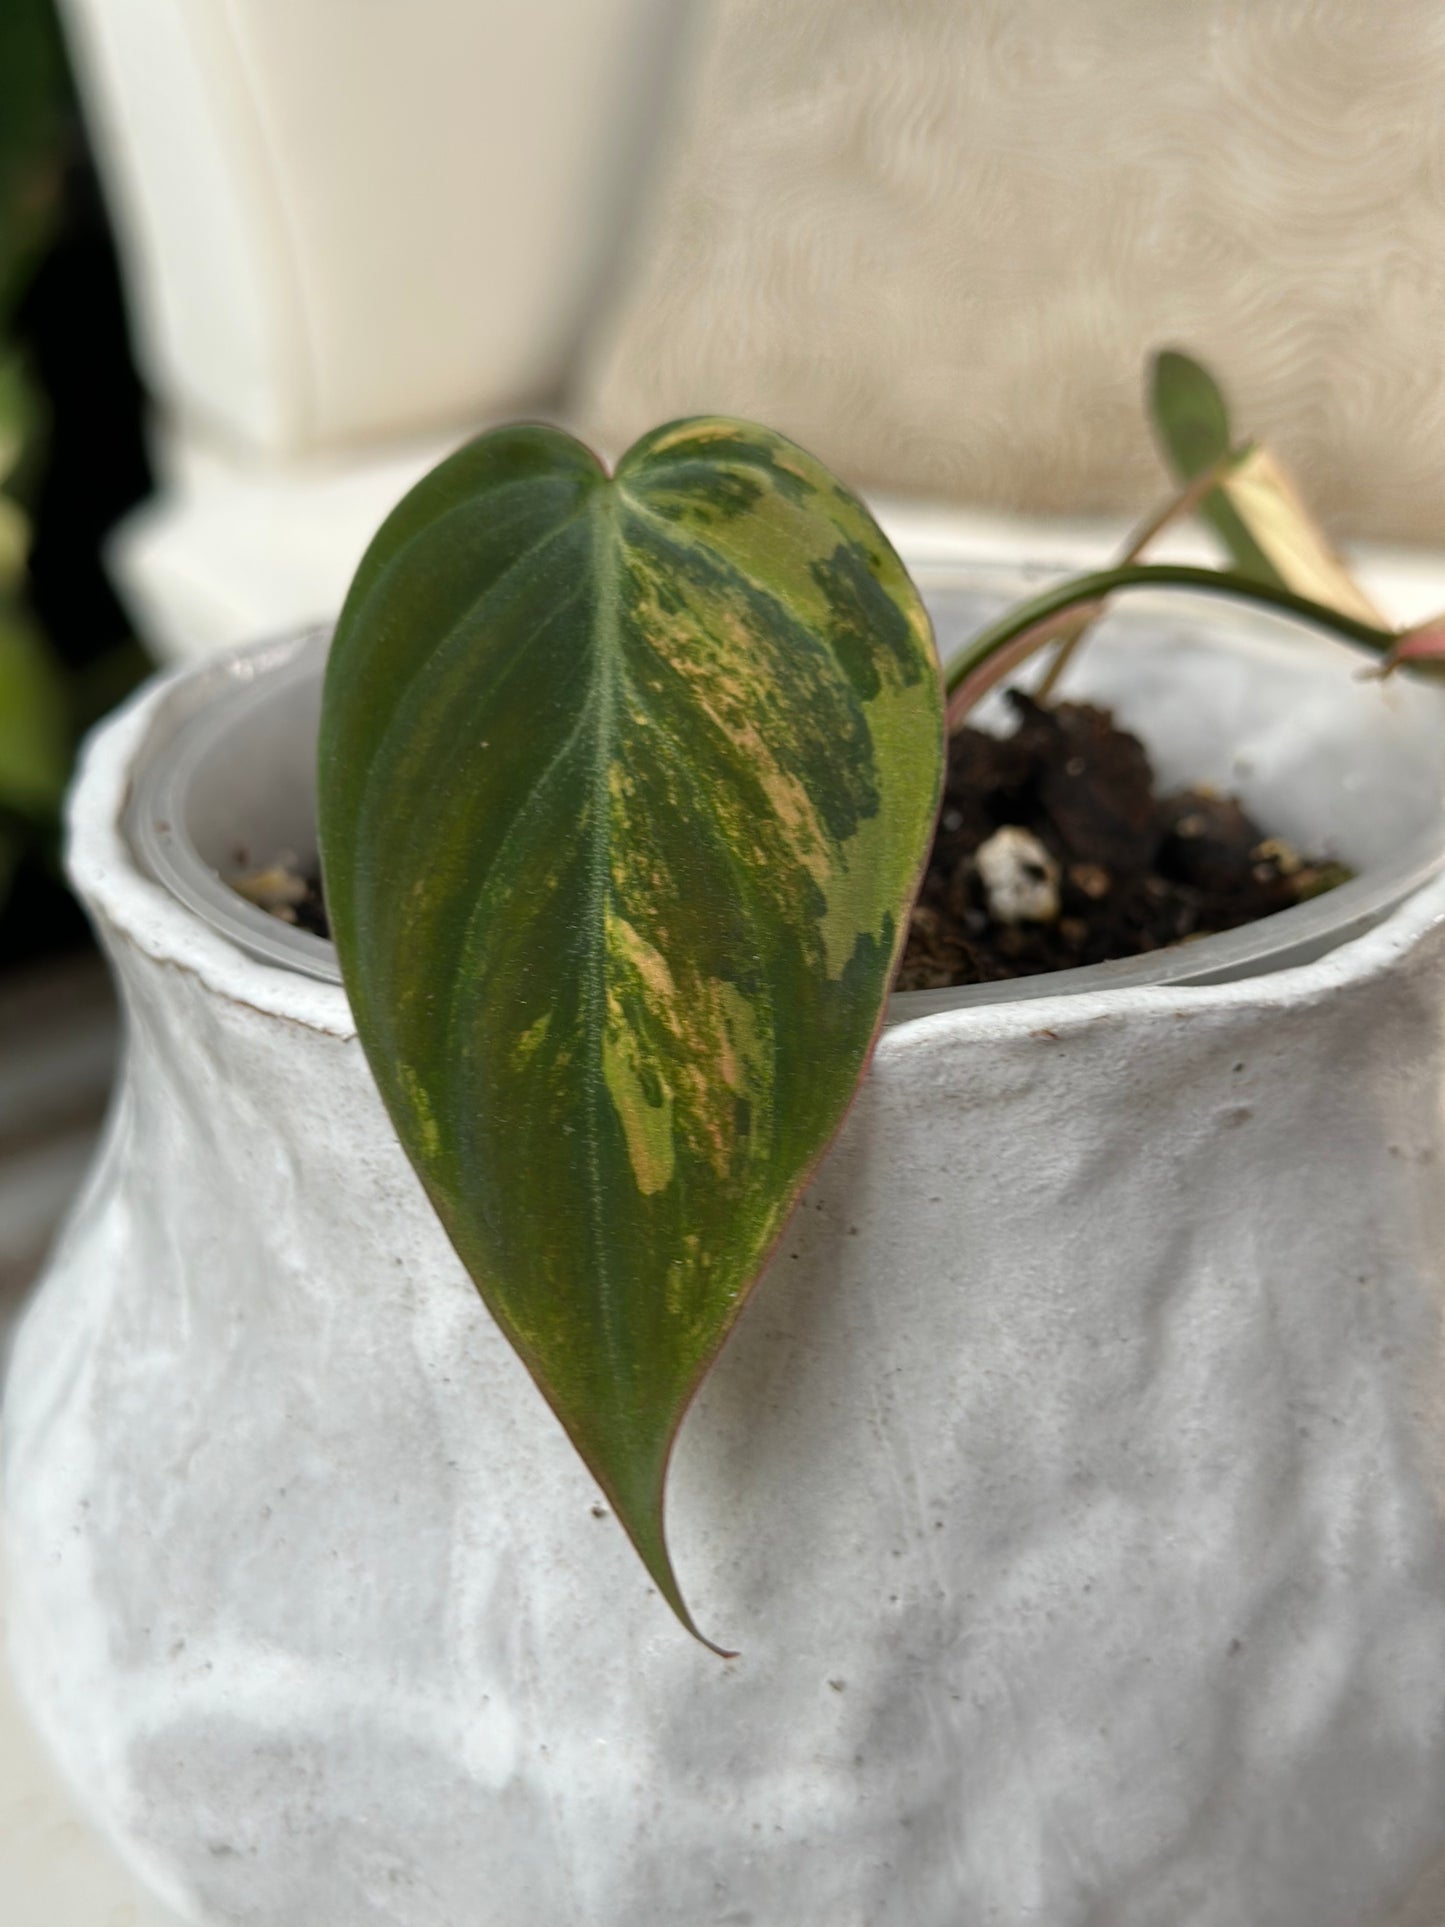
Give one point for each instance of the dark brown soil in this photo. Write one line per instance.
(1119, 871)
(1114, 869)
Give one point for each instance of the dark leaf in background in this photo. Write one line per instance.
(72, 461)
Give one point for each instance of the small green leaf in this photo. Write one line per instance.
(1256, 510)
(1190, 414)
(1191, 419)
(626, 785)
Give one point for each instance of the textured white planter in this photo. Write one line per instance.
(1072, 1486)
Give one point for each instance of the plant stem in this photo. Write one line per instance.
(1174, 510)
(967, 676)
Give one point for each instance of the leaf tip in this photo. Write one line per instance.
(637, 1494)
(658, 1561)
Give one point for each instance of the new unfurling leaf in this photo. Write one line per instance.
(1254, 506)
(626, 786)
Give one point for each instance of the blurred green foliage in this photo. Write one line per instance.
(35, 700)
(32, 121)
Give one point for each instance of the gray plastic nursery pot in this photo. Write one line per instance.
(230, 765)
(1072, 1484)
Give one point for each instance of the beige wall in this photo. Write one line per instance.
(937, 241)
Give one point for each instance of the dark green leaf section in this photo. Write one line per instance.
(626, 786)
(1191, 418)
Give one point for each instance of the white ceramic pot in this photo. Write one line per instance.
(1072, 1485)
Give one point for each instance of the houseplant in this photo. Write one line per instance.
(1069, 1481)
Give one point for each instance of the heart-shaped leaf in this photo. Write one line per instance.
(626, 787)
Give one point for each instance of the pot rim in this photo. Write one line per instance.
(126, 852)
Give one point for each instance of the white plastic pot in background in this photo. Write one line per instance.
(1072, 1484)
(352, 231)
(350, 221)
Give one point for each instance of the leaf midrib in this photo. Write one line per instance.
(606, 569)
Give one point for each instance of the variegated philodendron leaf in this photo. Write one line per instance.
(626, 787)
